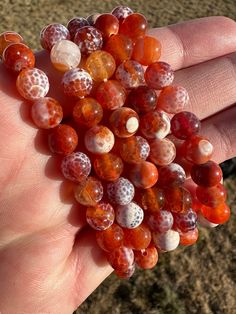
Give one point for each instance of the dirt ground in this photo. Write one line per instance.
(199, 279)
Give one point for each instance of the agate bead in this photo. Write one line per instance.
(101, 216)
(171, 175)
(162, 152)
(111, 238)
(8, 38)
(108, 24)
(99, 139)
(155, 124)
(143, 99)
(134, 149)
(75, 24)
(108, 167)
(130, 74)
(53, 33)
(121, 12)
(144, 174)
(134, 26)
(159, 75)
(161, 221)
(88, 39)
(167, 241)
(121, 258)
(177, 200)
(89, 192)
(185, 124)
(212, 196)
(137, 238)
(147, 258)
(189, 238)
(111, 95)
(121, 191)
(152, 199)
(186, 221)
(120, 47)
(197, 149)
(207, 175)
(129, 216)
(216, 215)
(147, 50)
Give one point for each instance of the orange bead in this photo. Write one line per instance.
(101, 216)
(178, 200)
(153, 199)
(162, 152)
(146, 258)
(111, 95)
(147, 50)
(134, 26)
(8, 38)
(189, 238)
(213, 196)
(144, 175)
(120, 47)
(217, 215)
(108, 24)
(89, 191)
(197, 150)
(108, 167)
(137, 238)
(111, 238)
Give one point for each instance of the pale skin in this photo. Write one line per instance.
(49, 261)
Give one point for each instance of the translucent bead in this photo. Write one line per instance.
(152, 199)
(65, 55)
(108, 167)
(185, 222)
(89, 39)
(121, 191)
(111, 95)
(216, 215)
(76, 167)
(108, 24)
(134, 26)
(207, 175)
(213, 196)
(92, 18)
(178, 200)
(147, 50)
(125, 273)
(77, 82)
(171, 175)
(111, 238)
(137, 238)
(63, 139)
(32, 84)
(87, 112)
(143, 99)
(8, 38)
(197, 150)
(129, 216)
(185, 124)
(100, 65)
(162, 152)
(53, 33)
(99, 140)
(121, 258)
(189, 238)
(121, 12)
(101, 216)
(159, 75)
(120, 47)
(167, 241)
(147, 258)
(161, 221)
(17, 57)
(75, 24)
(46, 112)
(124, 122)
(89, 192)
(143, 175)
(130, 74)
(173, 99)
(155, 125)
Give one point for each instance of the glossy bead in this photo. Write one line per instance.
(75, 24)
(53, 33)
(167, 241)
(189, 238)
(213, 196)
(207, 175)
(162, 152)
(152, 199)
(32, 84)
(178, 200)
(171, 175)
(173, 99)
(216, 215)
(65, 55)
(121, 191)
(137, 238)
(89, 191)
(120, 47)
(124, 122)
(100, 65)
(130, 74)
(125, 273)
(161, 221)
(8, 38)
(147, 50)
(111, 238)
(134, 149)
(17, 57)
(121, 12)
(63, 139)
(186, 221)
(121, 258)
(77, 82)
(108, 167)
(99, 139)
(111, 95)
(159, 75)
(197, 149)
(155, 124)
(87, 112)
(92, 18)
(185, 124)
(108, 24)
(46, 112)
(204, 222)
(76, 167)
(147, 258)
(89, 39)
(129, 216)
(134, 26)
(143, 175)
(143, 99)
(101, 216)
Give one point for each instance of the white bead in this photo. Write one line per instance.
(167, 241)
(129, 216)
(204, 222)
(121, 191)
(99, 140)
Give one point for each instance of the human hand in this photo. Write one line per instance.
(49, 261)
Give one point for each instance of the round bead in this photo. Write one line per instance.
(125, 273)
(17, 57)
(171, 175)
(216, 215)
(204, 222)
(101, 216)
(99, 139)
(129, 216)
(121, 12)
(197, 150)
(75, 24)
(121, 259)
(108, 167)
(77, 82)
(32, 84)
(130, 74)
(159, 75)
(177, 200)
(137, 238)
(108, 24)
(147, 258)
(111, 95)
(124, 122)
(8, 38)
(213, 196)
(144, 175)
(111, 238)
(63, 140)
(143, 99)
(162, 152)
(121, 191)
(147, 50)
(46, 112)
(100, 65)
(120, 47)
(76, 167)
(185, 124)
(152, 199)
(167, 241)
(87, 112)
(155, 124)
(88, 39)
(189, 238)
(65, 55)
(161, 221)
(207, 175)
(173, 99)
(53, 33)
(89, 192)
(92, 18)
(185, 222)
(134, 26)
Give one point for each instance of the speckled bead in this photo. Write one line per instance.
(88, 39)
(130, 74)
(75, 24)
(129, 216)
(155, 124)
(121, 191)
(121, 12)
(101, 216)
(162, 152)
(99, 140)
(53, 33)
(159, 75)
(161, 221)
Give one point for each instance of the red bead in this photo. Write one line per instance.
(108, 24)
(101, 216)
(121, 12)
(162, 152)
(76, 167)
(213, 196)
(88, 39)
(143, 99)
(144, 175)
(184, 125)
(130, 74)
(153, 199)
(137, 238)
(171, 175)
(216, 215)
(89, 191)
(155, 124)
(147, 258)
(111, 95)
(159, 75)
(185, 222)
(197, 149)
(8, 38)
(125, 273)
(121, 258)
(189, 238)
(120, 47)
(177, 200)
(53, 33)
(207, 175)
(108, 167)
(99, 140)
(147, 50)
(75, 24)
(161, 221)
(134, 26)
(111, 238)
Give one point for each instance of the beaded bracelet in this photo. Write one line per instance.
(125, 114)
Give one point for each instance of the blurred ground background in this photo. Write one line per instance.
(199, 279)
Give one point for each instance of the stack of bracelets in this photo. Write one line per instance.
(136, 143)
